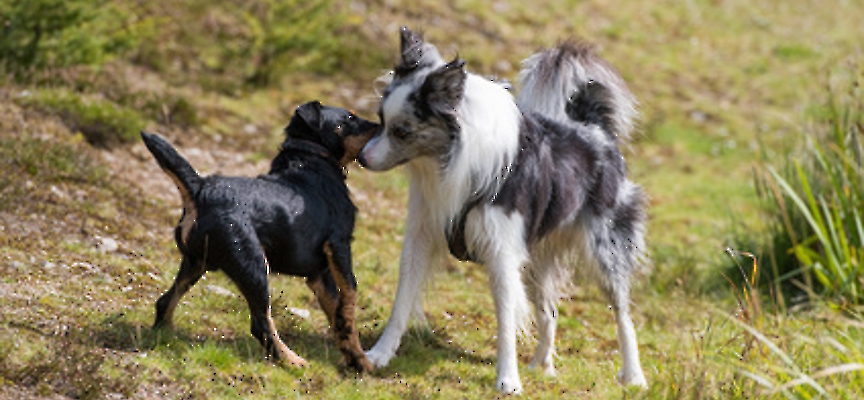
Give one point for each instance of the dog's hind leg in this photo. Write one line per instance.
(347, 337)
(543, 293)
(630, 372)
(255, 289)
(190, 271)
(247, 267)
(617, 245)
(327, 293)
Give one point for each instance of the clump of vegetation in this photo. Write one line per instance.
(65, 367)
(47, 161)
(258, 43)
(103, 123)
(815, 240)
(46, 34)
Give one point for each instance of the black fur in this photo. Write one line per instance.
(593, 104)
(278, 222)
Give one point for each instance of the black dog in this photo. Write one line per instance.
(297, 219)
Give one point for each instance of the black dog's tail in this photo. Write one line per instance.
(570, 83)
(187, 180)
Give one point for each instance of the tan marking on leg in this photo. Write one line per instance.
(285, 355)
(347, 336)
(328, 304)
(168, 318)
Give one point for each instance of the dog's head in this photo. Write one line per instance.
(419, 109)
(340, 131)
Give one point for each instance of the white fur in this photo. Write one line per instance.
(490, 124)
(490, 121)
(545, 95)
(496, 239)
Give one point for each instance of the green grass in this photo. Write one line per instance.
(723, 86)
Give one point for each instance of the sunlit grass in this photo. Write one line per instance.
(722, 86)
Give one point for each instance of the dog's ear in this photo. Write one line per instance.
(310, 113)
(443, 88)
(416, 53)
(411, 45)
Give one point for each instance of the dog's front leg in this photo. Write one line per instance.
(421, 251)
(505, 281)
(499, 243)
(347, 338)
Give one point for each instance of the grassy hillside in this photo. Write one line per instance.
(86, 216)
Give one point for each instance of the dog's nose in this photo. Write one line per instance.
(361, 159)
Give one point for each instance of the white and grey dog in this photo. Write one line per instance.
(534, 188)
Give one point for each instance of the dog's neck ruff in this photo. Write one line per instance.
(290, 148)
(488, 143)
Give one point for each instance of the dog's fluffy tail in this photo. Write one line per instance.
(570, 83)
(186, 178)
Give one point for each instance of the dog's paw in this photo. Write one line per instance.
(509, 386)
(379, 358)
(291, 360)
(359, 364)
(547, 369)
(632, 378)
(299, 362)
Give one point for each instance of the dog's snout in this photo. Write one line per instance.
(361, 158)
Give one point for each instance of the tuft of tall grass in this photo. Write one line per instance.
(774, 357)
(815, 243)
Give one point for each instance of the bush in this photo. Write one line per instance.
(103, 123)
(45, 34)
(225, 46)
(816, 226)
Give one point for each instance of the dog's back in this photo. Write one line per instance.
(290, 211)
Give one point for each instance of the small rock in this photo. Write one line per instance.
(106, 245)
(698, 116)
(58, 194)
(300, 312)
(219, 290)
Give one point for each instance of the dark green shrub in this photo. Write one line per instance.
(44, 34)
(103, 123)
(227, 45)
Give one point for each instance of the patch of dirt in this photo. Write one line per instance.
(12, 392)
(135, 165)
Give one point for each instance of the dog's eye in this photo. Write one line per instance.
(338, 129)
(399, 132)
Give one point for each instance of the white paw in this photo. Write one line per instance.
(509, 386)
(632, 378)
(378, 357)
(547, 369)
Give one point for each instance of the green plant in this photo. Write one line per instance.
(816, 239)
(103, 123)
(313, 36)
(41, 34)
